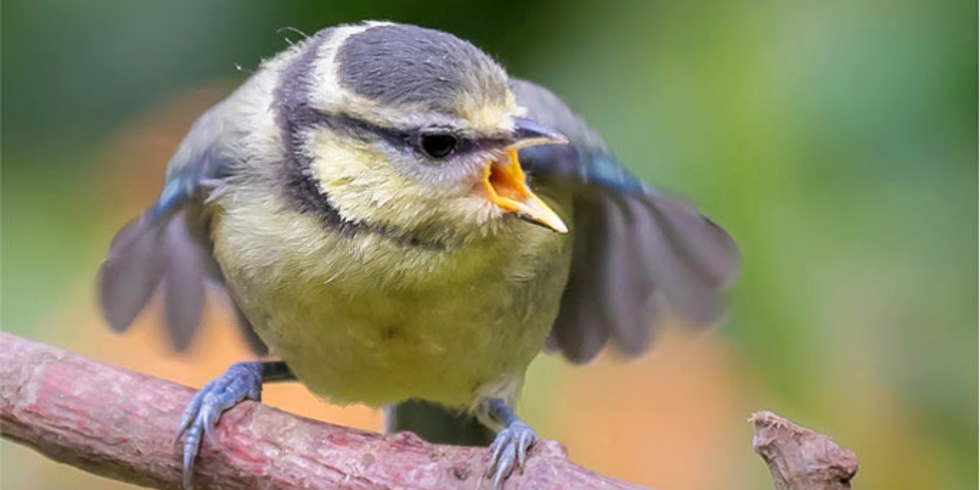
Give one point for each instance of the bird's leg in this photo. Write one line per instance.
(242, 380)
(512, 443)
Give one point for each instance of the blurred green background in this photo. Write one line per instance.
(836, 140)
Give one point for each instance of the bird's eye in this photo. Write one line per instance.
(438, 145)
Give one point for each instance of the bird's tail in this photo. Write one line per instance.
(437, 424)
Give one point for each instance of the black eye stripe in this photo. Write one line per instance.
(305, 116)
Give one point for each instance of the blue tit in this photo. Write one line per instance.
(405, 225)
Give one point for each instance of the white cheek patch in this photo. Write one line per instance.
(451, 177)
(338, 163)
(364, 183)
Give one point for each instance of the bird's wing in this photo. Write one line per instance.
(168, 247)
(635, 249)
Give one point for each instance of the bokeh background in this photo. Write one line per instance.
(836, 140)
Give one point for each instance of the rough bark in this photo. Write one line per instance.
(121, 424)
(799, 458)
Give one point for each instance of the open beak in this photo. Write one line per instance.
(506, 184)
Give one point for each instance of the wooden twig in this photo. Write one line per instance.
(799, 458)
(121, 424)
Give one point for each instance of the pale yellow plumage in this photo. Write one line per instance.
(364, 320)
(367, 318)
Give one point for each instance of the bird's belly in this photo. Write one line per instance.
(398, 345)
(445, 329)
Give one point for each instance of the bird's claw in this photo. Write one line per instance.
(241, 381)
(510, 449)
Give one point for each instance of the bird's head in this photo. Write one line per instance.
(407, 129)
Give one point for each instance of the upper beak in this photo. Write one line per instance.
(506, 184)
(531, 133)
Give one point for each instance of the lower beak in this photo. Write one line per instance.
(506, 187)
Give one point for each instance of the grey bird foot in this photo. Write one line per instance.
(241, 381)
(510, 451)
(511, 445)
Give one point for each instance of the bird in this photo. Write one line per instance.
(404, 225)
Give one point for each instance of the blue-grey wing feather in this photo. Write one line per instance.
(168, 247)
(635, 250)
(579, 329)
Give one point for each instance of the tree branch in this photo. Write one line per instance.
(121, 424)
(799, 458)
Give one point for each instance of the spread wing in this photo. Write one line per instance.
(168, 247)
(635, 250)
